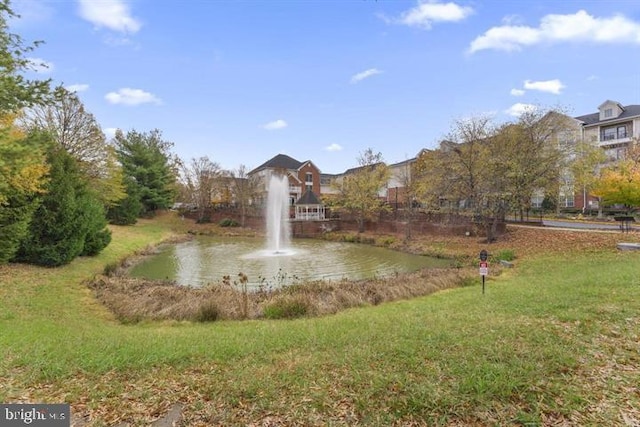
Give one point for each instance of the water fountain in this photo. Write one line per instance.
(277, 216)
(207, 258)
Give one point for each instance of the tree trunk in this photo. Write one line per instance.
(600, 207)
(242, 214)
(409, 214)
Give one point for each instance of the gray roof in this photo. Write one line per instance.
(360, 168)
(594, 118)
(308, 198)
(403, 163)
(329, 175)
(281, 161)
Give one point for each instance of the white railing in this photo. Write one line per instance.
(309, 216)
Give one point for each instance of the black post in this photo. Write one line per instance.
(484, 255)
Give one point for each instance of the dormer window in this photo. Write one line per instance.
(610, 110)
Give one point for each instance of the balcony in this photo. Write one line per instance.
(615, 135)
(606, 141)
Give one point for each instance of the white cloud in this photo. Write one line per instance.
(425, 14)
(519, 108)
(275, 125)
(507, 38)
(40, 66)
(128, 96)
(554, 86)
(577, 27)
(517, 92)
(112, 14)
(512, 20)
(365, 74)
(77, 87)
(333, 147)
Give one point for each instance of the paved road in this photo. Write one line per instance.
(582, 225)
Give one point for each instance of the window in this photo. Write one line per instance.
(622, 132)
(608, 134)
(308, 177)
(567, 201)
(566, 198)
(608, 112)
(536, 201)
(613, 132)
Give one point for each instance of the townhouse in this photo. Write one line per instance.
(304, 185)
(613, 127)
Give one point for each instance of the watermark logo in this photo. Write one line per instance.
(38, 415)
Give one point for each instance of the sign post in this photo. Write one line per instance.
(484, 267)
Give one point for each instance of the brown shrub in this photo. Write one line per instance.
(133, 300)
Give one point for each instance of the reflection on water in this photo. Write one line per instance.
(207, 259)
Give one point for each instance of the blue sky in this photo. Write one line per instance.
(323, 80)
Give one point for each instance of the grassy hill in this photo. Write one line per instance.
(554, 341)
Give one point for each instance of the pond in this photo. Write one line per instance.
(205, 260)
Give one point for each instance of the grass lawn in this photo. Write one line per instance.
(554, 341)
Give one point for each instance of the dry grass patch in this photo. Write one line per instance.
(134, 300)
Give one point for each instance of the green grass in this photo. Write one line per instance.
(556, 340)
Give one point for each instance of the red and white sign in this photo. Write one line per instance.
(484, 268)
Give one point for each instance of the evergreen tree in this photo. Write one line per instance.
(70, 219)
(22, 179)
(98, 235)
(147, 162)
(22, 170)
(15, 217)
(127, 210)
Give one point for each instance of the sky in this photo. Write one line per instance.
(240, 81)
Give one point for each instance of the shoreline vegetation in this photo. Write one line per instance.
(133, 299)
(554, 341)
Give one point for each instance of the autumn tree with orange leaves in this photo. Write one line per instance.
(22, 165)
(619, 184)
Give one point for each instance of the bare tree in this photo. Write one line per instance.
(245, 188)
(76, 130)
(201, 179)
(460, 174)
(408, 193)
(71, 125)
(468, 150)
(529, 156)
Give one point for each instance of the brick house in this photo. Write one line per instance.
(304, 184)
